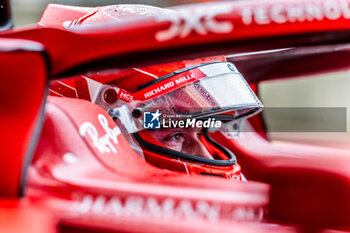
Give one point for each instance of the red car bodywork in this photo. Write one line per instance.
(54, 179)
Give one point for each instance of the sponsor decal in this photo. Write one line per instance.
(159, 89)
(295, 12)
(201, 20)
(139, 206)
(234, 177)
(127, 97)
(70, 25)
(151, 120)
(105, 143)
(168, 208)
(173, 83)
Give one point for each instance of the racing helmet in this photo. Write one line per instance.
(201, 96)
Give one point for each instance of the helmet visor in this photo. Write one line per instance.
(206, 97)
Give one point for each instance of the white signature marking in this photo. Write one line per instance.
(107, 142)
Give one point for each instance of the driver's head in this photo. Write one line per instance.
(169, 111)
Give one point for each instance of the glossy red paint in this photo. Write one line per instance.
(122, 38)
(84, 188)
(20, 121)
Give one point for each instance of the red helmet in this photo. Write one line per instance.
(197, 96)
(200, 96)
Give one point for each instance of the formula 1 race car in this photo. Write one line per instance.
(89, 94)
